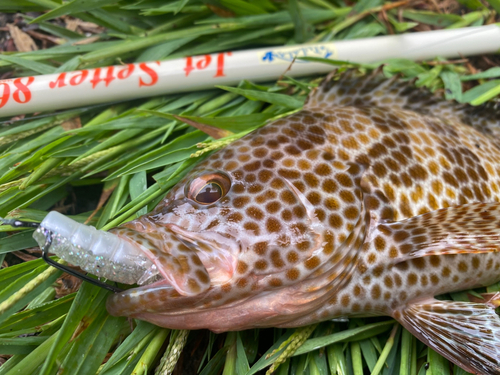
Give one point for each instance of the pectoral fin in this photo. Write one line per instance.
(468, 334)
(467, 229)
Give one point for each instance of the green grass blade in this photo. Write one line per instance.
(88, 297)
(406, 353)
(38, 316)
(279, 99)
(357, 359)
(354, 334)
(34, 359)
(74, 6)
(131, 345)
(495, 4)
(137, 186)
(90, 348)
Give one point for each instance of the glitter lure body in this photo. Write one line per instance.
(99, 253)
(370, 201)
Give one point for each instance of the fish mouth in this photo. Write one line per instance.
(182, 258)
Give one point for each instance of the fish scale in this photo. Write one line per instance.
(370, 201)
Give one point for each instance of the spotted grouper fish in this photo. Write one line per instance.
(371, 200)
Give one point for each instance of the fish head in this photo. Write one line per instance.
(236, 237)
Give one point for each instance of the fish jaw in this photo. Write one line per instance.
(160, 304)
(188, 262)
(187, 312)
(244, 316)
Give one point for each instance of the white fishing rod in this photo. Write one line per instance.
(130, 81)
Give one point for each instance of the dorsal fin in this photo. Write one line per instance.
(352, 88)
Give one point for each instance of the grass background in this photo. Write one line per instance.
(106, 164)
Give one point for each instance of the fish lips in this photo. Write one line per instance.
(218, 253)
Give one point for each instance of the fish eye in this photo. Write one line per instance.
(209, 193)
(208, 188)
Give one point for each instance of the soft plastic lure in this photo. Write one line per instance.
(100, 253)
